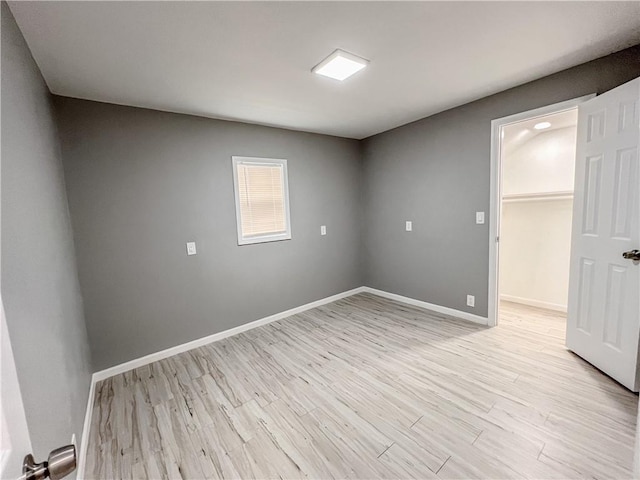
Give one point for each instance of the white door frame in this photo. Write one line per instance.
(15, 442)
(495, 200)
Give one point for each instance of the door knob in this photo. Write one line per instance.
(61, 462)
(632, 255)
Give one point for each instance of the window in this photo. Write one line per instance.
(262, 199)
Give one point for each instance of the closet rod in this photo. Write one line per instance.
(533, 197)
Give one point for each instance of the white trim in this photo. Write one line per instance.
(15, 441)
(495, 190)
(276, 237)
(154, 357)
(162, 354)
(429, 306)
(84, 442)
(636, 450)
(534, 303)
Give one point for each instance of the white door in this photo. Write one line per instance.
(603, 323)
(14, 436)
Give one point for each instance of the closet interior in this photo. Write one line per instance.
(538, 164)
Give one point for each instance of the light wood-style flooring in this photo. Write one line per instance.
(369, 388)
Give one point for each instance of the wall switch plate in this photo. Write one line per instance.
(323, 230)
(479, 218)
(191, 248)
(409, 226)
(471, 301)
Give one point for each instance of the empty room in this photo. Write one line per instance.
(320, 240)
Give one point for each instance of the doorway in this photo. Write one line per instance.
(602, 324)
(538, 169)
(532, 182)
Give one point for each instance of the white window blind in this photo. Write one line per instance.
(262, 204)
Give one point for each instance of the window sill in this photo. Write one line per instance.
(263, 239)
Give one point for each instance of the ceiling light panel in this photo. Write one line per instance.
(340, 65)
(542, 125)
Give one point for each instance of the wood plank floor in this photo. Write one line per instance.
(369, 388)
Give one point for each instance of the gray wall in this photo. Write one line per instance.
(142, 183)
(40, 287)
(435, 172)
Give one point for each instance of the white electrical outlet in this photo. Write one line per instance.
(409, 225)
(479, 218)
(471, 301)
(191, 248)
(323, 230)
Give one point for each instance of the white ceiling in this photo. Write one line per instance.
(251, 61)
(517, 134)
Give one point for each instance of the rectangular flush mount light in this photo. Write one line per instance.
(340, 65)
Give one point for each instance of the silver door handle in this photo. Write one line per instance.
(61, 462)
(632, 255)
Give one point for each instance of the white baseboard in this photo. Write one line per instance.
(429, 306)
(534, 303)
(154, 357)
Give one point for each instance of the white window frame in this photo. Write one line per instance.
(242, 240)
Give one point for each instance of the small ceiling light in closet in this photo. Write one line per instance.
(542, 125)
(340, 65)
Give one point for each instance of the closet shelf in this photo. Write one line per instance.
(537, 197)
